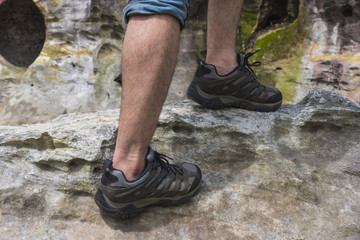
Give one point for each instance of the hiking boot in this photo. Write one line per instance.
(161, 183)
(238, 88)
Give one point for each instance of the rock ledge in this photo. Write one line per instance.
(290, 174)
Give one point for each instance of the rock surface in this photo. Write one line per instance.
(331, 58)
(290, 174)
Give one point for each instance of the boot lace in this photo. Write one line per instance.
(249, 65)
(254, 64)
(162, 161)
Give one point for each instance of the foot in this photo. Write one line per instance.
(239, 88)
(160, 183)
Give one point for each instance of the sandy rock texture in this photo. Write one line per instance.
(290, 174)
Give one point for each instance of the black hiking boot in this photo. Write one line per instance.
(239, 88)
(161, 183)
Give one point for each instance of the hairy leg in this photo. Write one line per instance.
(148, 61)
(223, 19)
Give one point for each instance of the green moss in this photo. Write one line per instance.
(287, 77)
(279, 44)
(280, 55)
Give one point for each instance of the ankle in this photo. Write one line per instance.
(131, 164)
(224, 61)
(131, 172)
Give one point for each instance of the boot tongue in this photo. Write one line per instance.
(240, 59)
(150, 155)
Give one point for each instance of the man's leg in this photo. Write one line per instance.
(226, 79)
(138, 176)
(148, 62)
(222, 22)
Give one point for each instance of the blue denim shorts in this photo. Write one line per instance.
(176, 8)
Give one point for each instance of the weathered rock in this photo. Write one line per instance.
(307, 45)
(76, 68)
(331, 60)
(290, 174)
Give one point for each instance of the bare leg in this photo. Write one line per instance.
(148, 61)
(222, 22)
